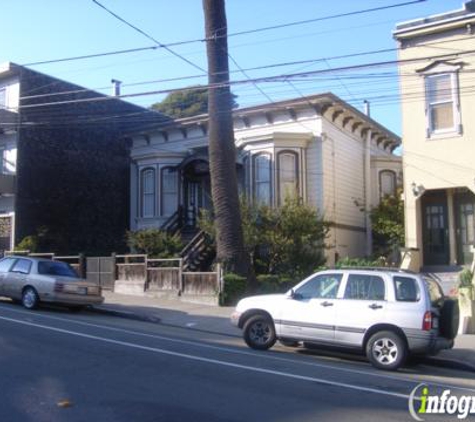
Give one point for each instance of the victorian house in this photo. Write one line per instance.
(319, 148)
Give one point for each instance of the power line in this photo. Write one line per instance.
(148, 36)
(323, 18)
(201, 40)
(306, 62)
(280, 78)
(92, 56)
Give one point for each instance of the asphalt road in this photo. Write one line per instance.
(60, 366)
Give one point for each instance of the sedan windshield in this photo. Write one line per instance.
(56, 268)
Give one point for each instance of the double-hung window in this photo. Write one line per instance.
(288, 175)
(262, 179)
(442, 103)
(169, 191)
(147, 179)
(387, 183)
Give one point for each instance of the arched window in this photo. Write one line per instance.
(387, 183)
(168, 191)
(288, 175)
(147, 183)
(262, 179)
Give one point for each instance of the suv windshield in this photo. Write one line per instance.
(56, 268)
(435, 291)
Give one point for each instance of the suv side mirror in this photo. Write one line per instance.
(293, 295)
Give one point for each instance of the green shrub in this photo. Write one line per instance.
(387, 221)
(465, 278)
(285, 241)
(28, 243)
(268, 283)
(360, 262)
(155, 243)
(234, 289)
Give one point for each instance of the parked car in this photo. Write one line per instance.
(32, 281)
(388, 314)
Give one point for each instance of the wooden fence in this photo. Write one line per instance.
(137, 274)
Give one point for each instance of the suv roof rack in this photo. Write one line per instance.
(392, 269)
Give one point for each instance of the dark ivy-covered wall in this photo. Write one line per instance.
(73, 166)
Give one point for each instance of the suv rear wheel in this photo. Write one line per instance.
(386, 350)
(259, 332)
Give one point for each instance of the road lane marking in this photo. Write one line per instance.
(269, 356)
(213, 361)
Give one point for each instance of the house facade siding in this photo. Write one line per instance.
(316, 146)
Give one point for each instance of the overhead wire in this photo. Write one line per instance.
(140, 31)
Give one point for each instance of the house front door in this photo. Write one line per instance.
(193, 202)
(465, 226)
(435, 231)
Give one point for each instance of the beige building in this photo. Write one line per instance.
(437, 71)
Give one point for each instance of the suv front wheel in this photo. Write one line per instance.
(259, 332)
(386, 350)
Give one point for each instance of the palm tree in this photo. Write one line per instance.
(222, 151)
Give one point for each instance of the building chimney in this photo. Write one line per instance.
(367, 110)
(116, 87)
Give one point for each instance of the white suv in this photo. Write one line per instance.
(385, 313)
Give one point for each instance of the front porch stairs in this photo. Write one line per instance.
(199, 253)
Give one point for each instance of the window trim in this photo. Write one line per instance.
(246, 163)
(4, 104)
(162, 171)
(456, 112)
(255, 157)
(296, 155)
(387, 171)
(143, 172)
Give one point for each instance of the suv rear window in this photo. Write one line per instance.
(406, 289)
(364, 287)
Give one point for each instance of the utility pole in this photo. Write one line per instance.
(222, 151)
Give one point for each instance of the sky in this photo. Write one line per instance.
(37, 31)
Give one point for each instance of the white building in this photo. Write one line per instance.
(336, 158)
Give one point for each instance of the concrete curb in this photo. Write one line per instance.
(125, 314)
(155, 320)
(146, 317)
(447, 363)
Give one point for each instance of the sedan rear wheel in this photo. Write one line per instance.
(30, 299)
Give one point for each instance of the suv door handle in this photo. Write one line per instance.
(326, 304)
(375, 306)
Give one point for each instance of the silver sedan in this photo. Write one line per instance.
(35, 280)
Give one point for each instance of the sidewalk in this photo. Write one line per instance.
(215, 319)
(171, 312)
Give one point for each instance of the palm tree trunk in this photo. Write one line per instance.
(222, 151)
